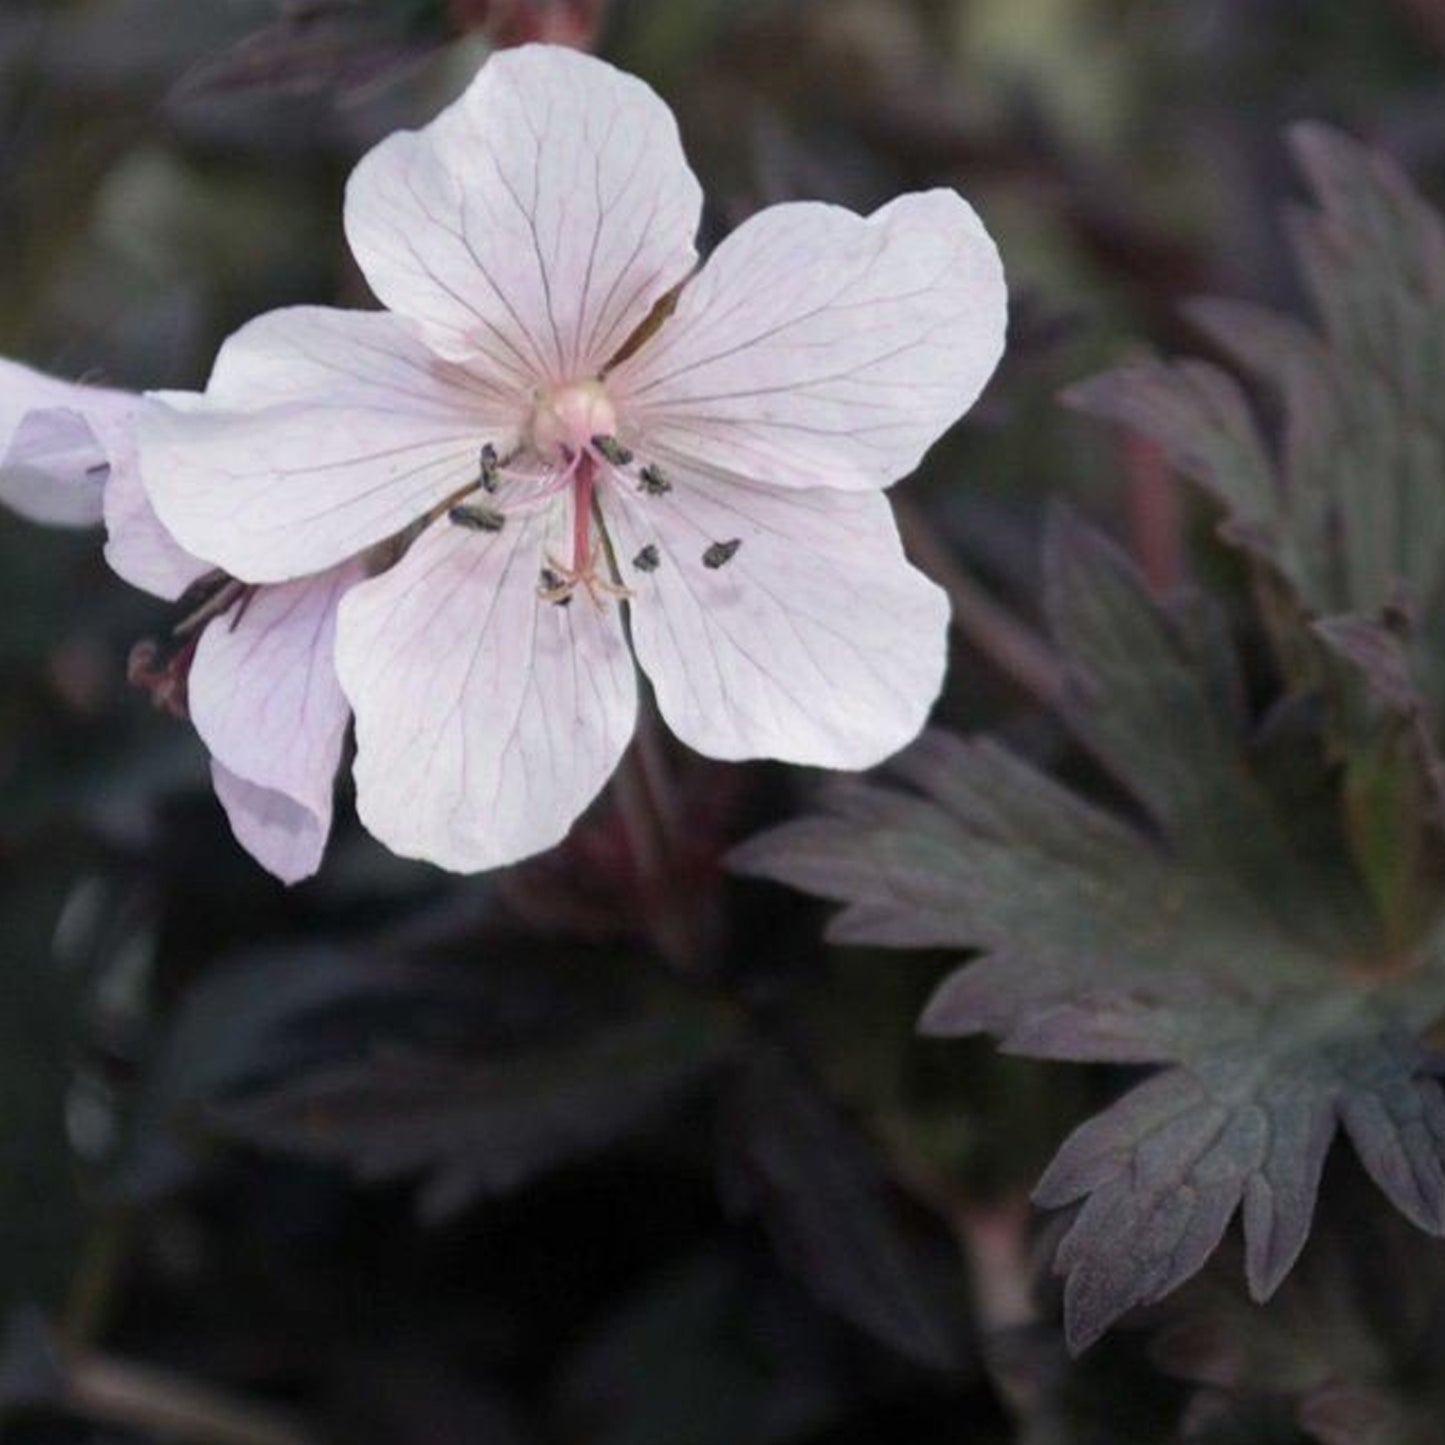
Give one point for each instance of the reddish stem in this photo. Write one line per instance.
(1156, 521)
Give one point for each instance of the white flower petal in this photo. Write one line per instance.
(265, 700)
(68, 459)
(285, 838)
(817, 643)
(323, 433)
(819, 348)
(53, 457)
(137, 547)
(486, 719)
(537, 221)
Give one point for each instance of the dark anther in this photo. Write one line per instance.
(612, 450)
(552, 582)
(721, 553)
(652, 481)
(491, 468)
(476, 518)
(648, 559)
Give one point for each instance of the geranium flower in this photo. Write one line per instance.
(253, 664)
(593, 454)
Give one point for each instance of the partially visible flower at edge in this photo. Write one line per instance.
(254, 664)
(557, 416)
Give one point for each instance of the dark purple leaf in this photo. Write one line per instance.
(830, 1215)
(1235, 944)
(470, 1128)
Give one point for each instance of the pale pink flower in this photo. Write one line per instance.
(256, 664)
(586, 464)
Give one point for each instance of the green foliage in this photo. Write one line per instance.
(1269, 930)
(1224, 935)
(1344, 509)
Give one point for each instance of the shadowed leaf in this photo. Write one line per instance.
(1341, 1344)
(1226, 937)
(319, 45)
(1346, 509)
(470, 1128)
(829, 1213)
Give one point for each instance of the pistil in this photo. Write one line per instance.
(559, 583)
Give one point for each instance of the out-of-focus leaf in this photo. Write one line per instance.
(42, 1213)
(1218, 940)
(1346, 509)
(1339, 1348)
(828, 1212)
(419, 1397)
(708, 1353)
(1221, 1420)
(1114, 1396)
(318, 45)
(236, 1026)
(474, 1128)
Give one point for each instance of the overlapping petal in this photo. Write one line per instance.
(486, 719)
(536, 222)
(818, 348)
(53, 455)
(816, 643)
(322, 433)
(138, 548)
(266, 701)
(68, 459)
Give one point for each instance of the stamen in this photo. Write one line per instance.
(227, 592)
(476, 517)
(653, 482)
(247, 598)
(491, 464)
(721, 553)
(553, 587)
(559, 583)
(647, 560)
(612, 451)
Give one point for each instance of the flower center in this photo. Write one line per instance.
(565, 420)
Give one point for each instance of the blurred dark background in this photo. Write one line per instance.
(399, 1157)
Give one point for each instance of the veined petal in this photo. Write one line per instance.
(322, 433)
(816, 642)
(265, 700)
(818, 348)
(286, 838)
(486, 719)
(68, 459)
(53, 456)
(137, 547)
(534, 223)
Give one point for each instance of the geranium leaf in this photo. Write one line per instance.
(1226, 935)
(1346, 508)
(827, 1208)
(1343, 507)
(470, 1128)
